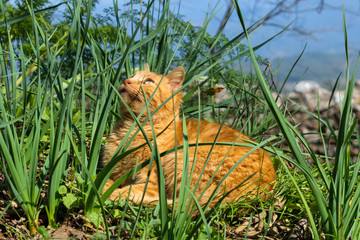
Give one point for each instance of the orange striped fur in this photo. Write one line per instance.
(257, 163)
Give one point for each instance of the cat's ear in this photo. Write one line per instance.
(146, 67)
(176, 77)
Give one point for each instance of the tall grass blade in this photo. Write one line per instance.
(288, 134)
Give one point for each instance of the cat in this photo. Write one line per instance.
(257, 167)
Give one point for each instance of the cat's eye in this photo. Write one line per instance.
(148, 82)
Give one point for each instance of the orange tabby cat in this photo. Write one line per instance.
(258, 163)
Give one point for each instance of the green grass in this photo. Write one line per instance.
(59, 100)
(338, 207)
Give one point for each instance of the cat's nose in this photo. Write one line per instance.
(127, 81)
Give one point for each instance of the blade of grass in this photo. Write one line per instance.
(288, 134)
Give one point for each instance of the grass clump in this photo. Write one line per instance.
(59, 101)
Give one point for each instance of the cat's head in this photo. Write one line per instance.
(131, 92)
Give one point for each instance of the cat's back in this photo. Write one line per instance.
(209, 130)
(256, 158)
(251, 163)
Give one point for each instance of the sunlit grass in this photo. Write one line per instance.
(52, 129)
